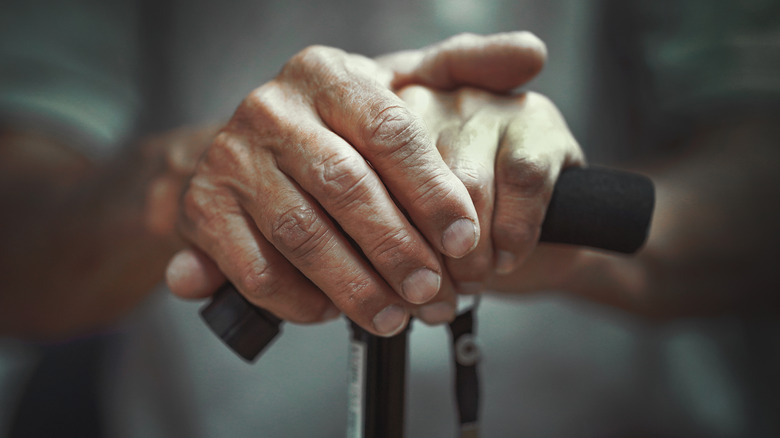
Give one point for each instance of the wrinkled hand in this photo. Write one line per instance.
(508, 151)
(327, 150)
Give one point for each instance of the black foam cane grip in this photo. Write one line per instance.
(600, 208)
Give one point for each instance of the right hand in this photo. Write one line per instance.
(310, 199)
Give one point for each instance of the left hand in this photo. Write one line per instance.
(508, 150)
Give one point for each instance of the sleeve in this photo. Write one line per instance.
(71, 67)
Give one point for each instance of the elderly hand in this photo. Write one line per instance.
(324, 193)
(508, 151)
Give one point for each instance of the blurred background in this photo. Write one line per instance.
(628, 76)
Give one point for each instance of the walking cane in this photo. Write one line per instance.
(594, 207)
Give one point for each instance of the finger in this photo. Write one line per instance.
(344, 184)
(305, 236)
(499, 62)
(192, 274)
(378, 124)
(161, 209)
(470, 151)
(230, 238)
(469, 131)
(535, 147)
(443, 308)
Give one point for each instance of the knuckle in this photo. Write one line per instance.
(316, 54)
(393, 248)
(433, 191)
(312, 58)
(204, 210)
(256, 102)
(557, 137)
(193, 205)
(523, 175)
(327, 77)
(258, 281)
(261, 112)
(237, 162)
(299, 232)
(226, 147)
(229, 154)
(358, 291)
(394, 131)
(478, 181)
(199, 202)
(344, 179)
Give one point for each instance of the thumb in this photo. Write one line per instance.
(498, 62)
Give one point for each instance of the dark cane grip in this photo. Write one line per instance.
(244, 327)
(600, 208)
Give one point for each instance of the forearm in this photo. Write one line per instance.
(713, 239)
(77, 249)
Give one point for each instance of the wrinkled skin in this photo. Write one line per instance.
(335, 189)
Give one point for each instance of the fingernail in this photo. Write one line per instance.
(460, 238)
(421, 285)
(436, 313)
(469, 287)
(390, 320)
(505, 262)
(332, 312)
